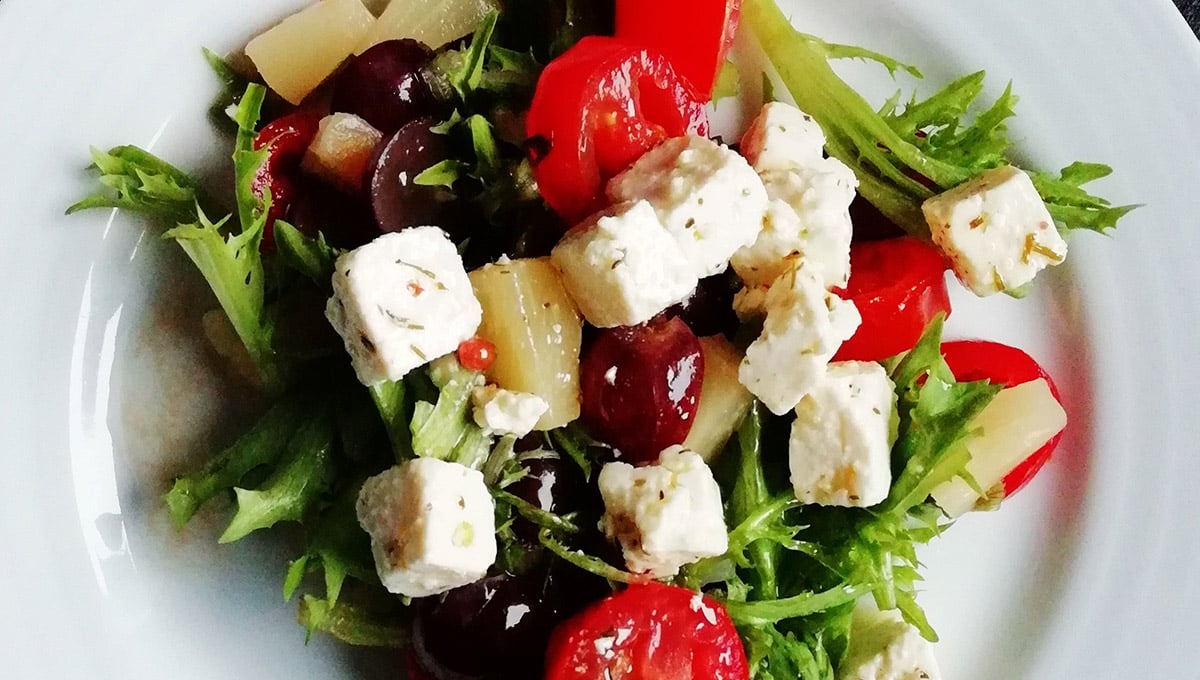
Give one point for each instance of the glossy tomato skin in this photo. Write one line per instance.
(286, 139)
(971, 360)
(695, 36)
(648, 632)
(899, 286)
(597, 108)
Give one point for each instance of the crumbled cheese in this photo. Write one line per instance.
(706, 196)
(840, 448)
(500, 411)
(401, 301)
(622, 267)
(664, 515)
(995, 230)
(432, 526)
(804, 326)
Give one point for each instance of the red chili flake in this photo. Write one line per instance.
(415, 288)
(476, 354)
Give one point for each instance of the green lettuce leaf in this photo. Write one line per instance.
(904, 156)
(262, 445)
(445, 429)
(335, 546)
(136, 180)
(310, 257)
(234, 270)
(294, 486)
(355, 625)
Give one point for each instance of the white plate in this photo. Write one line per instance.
(107, 390)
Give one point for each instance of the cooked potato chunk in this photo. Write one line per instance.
(724, 401)
(536, 329)
(301, 51)
(341, 150)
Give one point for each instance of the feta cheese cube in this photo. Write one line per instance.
(782, 137)
(400, 301)
(840, 451)
(665, 515)
(884, 647)
(706, 195)
(432, 526)
(622, 267)
(805, 325)
(500, 411)
(996, 231)
(809, 214)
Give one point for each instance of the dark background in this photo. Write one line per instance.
(1191, 11)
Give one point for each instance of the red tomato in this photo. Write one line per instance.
(972, 360)
(898, 285)
(598, 108)
(476, 354)
(648, 632)
(695, 36)
(286, 140)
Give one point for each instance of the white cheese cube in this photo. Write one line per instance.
(665, 515)
(706, 195)
(782, 137)
(804, 327)
(432, 526)
(622, 267)
(884, 647)
(840, 451)
(401, 301)
(995, 230)
(501, 411)
(809, 214)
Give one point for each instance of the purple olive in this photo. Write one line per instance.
(397, 201)
(386, 87)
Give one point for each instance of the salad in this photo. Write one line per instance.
(561, 386)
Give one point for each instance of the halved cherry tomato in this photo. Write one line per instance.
(286, 140)
(971, 360)
(898, 285)
(596, 110)
(648, 632)
(695, 36)
(476, 354)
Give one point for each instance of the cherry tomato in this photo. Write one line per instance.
(898, 286)
(286, 139)
(476, 354)
(695, 36)
(598, 108)
(648, 632)
(971, 360)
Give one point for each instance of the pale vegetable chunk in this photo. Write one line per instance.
(884, 647)
(1015, 424)
(433, 22)
(995, 230)
(724, 401)
(432, 526)
(300, 52)
(340, 151)
(537, 331)
(664, 515)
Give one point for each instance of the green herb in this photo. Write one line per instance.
(293, 488)
(311, 257)
(354, 625)
(556, 524)
(138, 181)
(262, 445)
(586, 562)
(904, 155)
(442, 174)
(395, 407)
(446, 430)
